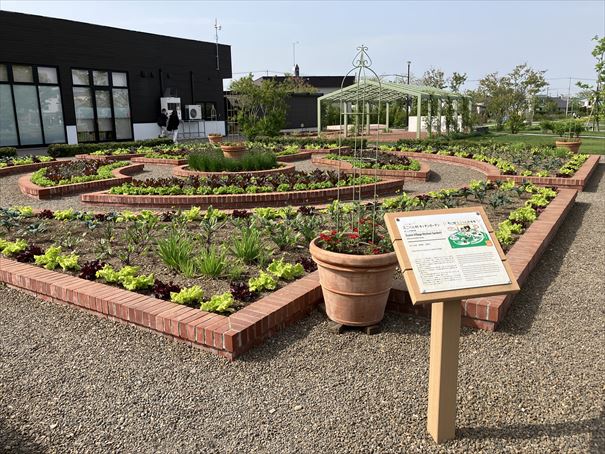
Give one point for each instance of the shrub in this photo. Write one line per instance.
(64, 150)
(8, 152)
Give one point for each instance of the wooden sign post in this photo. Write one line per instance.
(447, 256)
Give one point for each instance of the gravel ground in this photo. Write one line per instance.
(444, 176)
(71, 382)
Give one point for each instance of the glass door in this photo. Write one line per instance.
(104, 115)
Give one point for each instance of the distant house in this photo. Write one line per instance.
(323, 84)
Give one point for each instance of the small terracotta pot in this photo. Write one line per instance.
(215, 138)
(355, 287)
(574, 147)
(233, 151)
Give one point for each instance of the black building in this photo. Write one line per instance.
(66, 81)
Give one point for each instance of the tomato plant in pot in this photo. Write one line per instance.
(569, 134)
(233, 150)
(215, 138)
(356, 265)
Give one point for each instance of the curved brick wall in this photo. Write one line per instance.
(162, 162)
(121, 175)
(347, 167)
(239, 201)
(13, 170)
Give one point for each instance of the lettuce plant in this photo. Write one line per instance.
(264, 281)
(285, 271)
(52, 258)
(219, 303)
(188, 296)
(8, 248)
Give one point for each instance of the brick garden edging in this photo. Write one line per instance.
(227, 336)
(577, 181)
(240, 201)
(182, 171)
(161, 162)
(121, 175)
(306, 154)
(347, 167)
(110, 157)
(13, 170)
(487, 313)
(233, 335)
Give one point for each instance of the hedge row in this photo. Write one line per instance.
(302, 141)
(8, 152)
(63, 150)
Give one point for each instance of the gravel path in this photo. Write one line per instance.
(70, 382)
(444, 176)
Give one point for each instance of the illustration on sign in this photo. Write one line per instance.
(451, 251)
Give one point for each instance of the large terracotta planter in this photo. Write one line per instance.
(574, 147)
(215, 138)
(355, 287)
(233, 151)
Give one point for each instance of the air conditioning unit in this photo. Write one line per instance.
(193, 112)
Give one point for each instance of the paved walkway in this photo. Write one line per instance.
(71, 382)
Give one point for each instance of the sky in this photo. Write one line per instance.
(472, 37)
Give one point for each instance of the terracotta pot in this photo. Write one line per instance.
(355, 287)
(233, 151)
(215, 138)
(574, 147)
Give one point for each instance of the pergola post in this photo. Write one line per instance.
(429, 124)
(470, 112)
(456, 114)
(345, 109)
(387, 125)
(318, 116)
(368, 117)
(439, 101)
(418, 116)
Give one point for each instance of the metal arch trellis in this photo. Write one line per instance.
(361, 112)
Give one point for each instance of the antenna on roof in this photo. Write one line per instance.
(217, 27)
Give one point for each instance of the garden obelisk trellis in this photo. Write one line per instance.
(358, 106)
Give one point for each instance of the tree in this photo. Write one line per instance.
(434, 77)
(596, 93)
(456, 81)
(509, 98)
(263, 105)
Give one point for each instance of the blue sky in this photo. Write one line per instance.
(476, 37)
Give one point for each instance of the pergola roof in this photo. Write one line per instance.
(371, 90)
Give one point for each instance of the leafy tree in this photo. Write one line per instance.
(263, 105)
(596, 93)
(434, 77)
(456, 81)
(509, 97)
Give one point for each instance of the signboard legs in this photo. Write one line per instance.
(443, 370)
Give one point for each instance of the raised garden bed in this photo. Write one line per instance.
(160, 161)
(184, 171)
(421, 173)
(110, 157)
(14, 165)
(120, 175)
(234, 334)
(577, 181)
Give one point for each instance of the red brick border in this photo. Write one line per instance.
(347, 167)
(305, 154)
(577, 181)
(110, 157)
(233, 335)
(121, 174)
(13, 170)
(182, 171)
(226, 336)
(240, 201)
(161, 162)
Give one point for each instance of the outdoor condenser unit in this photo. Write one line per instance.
(193, 112)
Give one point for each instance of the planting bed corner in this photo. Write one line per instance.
(121, 175)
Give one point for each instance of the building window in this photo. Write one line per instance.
(31, 112)
(23, 74)
(209, 111)
(102, 105)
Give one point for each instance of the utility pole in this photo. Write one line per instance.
(217, 27)
(568, 95)
(408, 98)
